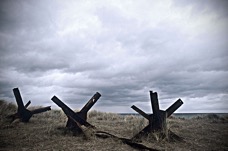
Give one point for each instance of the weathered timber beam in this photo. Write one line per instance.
(154, 104)
(27, 104)
(174, 107)
(140, 112)
(143, 132)
(19, 101)
(159, 116)
(90, 103)
(24, 116)
(23, 113)
(70, 113)
(17, 115)
(157, 120)
(74, 126)
(127, 141)
(40, 110)
(159, 124)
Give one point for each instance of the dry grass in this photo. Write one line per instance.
(45, 132)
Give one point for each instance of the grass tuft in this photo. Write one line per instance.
(46, 131)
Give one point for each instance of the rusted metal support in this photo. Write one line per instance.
(75, 120)
(22, 112)
(157, 120)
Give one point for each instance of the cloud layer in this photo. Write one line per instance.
(73, 49)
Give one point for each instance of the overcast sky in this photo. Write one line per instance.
(121, 49)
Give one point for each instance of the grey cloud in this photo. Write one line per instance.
(188, 84)
(220, 6)
(118, 56)
(25, 15)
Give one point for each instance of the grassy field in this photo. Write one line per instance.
(46, 131)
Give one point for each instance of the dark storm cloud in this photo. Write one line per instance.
(120, 49)
(220, 6)
(25, 15)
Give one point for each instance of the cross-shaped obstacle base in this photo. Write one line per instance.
(22, 112)
(157, 120)
(75, 120)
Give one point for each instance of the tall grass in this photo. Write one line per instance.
(7, 108)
